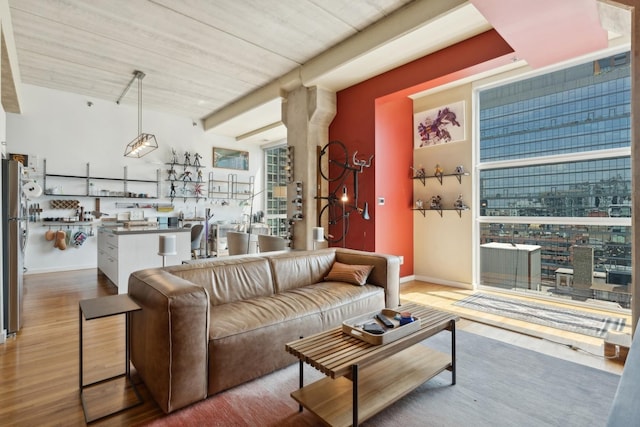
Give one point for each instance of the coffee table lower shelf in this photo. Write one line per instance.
(379, 385)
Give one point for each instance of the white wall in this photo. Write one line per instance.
(63, 129)
(3, 133)
(443, 246)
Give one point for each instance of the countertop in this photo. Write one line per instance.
(145, 230)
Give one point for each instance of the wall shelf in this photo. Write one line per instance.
(176, 176)
(420, 175)
(231, 188)
(179, 181)
(97, 196)
(139, 205)
(88, 181)
(424, 210)
(67, 223)
(184, 165)
(423, 178)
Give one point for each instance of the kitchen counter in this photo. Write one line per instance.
(146, 230)
(123, 250)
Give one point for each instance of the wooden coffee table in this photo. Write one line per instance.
(361, 378)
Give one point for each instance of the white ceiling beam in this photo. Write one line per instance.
(399, 23)
(258, 131)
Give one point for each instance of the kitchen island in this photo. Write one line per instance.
(123, 250)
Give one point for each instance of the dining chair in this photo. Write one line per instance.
(267, 243)
(237, 242)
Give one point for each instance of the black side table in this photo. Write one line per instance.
(97, 308)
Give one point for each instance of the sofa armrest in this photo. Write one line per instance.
(385, 273)
(169, 337)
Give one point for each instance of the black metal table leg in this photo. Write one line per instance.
(301, 377)
(354, 380)
(453, 351)
(80, 349)
(301, 370)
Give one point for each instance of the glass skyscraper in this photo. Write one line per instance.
(555, 172)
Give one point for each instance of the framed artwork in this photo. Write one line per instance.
(439, 126)
(230, 159)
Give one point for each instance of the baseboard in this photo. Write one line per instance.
(439, 281)
(59, 269)
(407, 279)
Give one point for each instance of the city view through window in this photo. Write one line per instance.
(276, 177)
(555, 183)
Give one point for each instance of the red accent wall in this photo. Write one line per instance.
(394, 146)
(376, 117)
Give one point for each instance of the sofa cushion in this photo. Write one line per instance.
(255, 313)
(231, 279)
(349, 273)
(299, 268)
(247, 338)
(339, 301)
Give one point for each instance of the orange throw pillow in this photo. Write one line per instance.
(349, 273)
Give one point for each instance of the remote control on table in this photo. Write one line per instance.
(385, 321)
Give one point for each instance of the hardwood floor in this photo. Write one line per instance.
(586, 350)
(39, 368)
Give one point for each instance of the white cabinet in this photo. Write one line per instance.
(108, 254)
(121, 252)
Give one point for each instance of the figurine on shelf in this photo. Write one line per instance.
(419, 172)
(199, 176)
(459, 204)
(187, 158)
(174, 156)
(196, 159)
(186, 176)
(460, 169)
(438, 171)
(173, 176)
(436, 202)
(197, 191)
(419, 204)
(172, 193)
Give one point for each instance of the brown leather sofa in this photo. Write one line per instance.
(210, 326)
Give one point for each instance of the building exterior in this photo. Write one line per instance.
(556, 168)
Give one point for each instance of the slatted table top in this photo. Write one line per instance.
(334, 353)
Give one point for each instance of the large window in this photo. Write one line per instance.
(554, 175)
(275, 159)
(589, 188)
(579, 109)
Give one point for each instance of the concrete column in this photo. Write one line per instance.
(307, 113)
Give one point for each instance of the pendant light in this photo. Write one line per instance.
(144, 143)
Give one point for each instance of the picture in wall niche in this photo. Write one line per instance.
(22, 158)
(230, 159)
(440, 125)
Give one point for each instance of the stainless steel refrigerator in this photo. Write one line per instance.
(14, 242)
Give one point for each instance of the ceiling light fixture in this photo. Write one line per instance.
(144, 143)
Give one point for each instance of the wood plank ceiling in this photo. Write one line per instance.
(198, 55)
(201, 57)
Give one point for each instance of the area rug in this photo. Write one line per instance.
(498, 384)
(547, 315)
